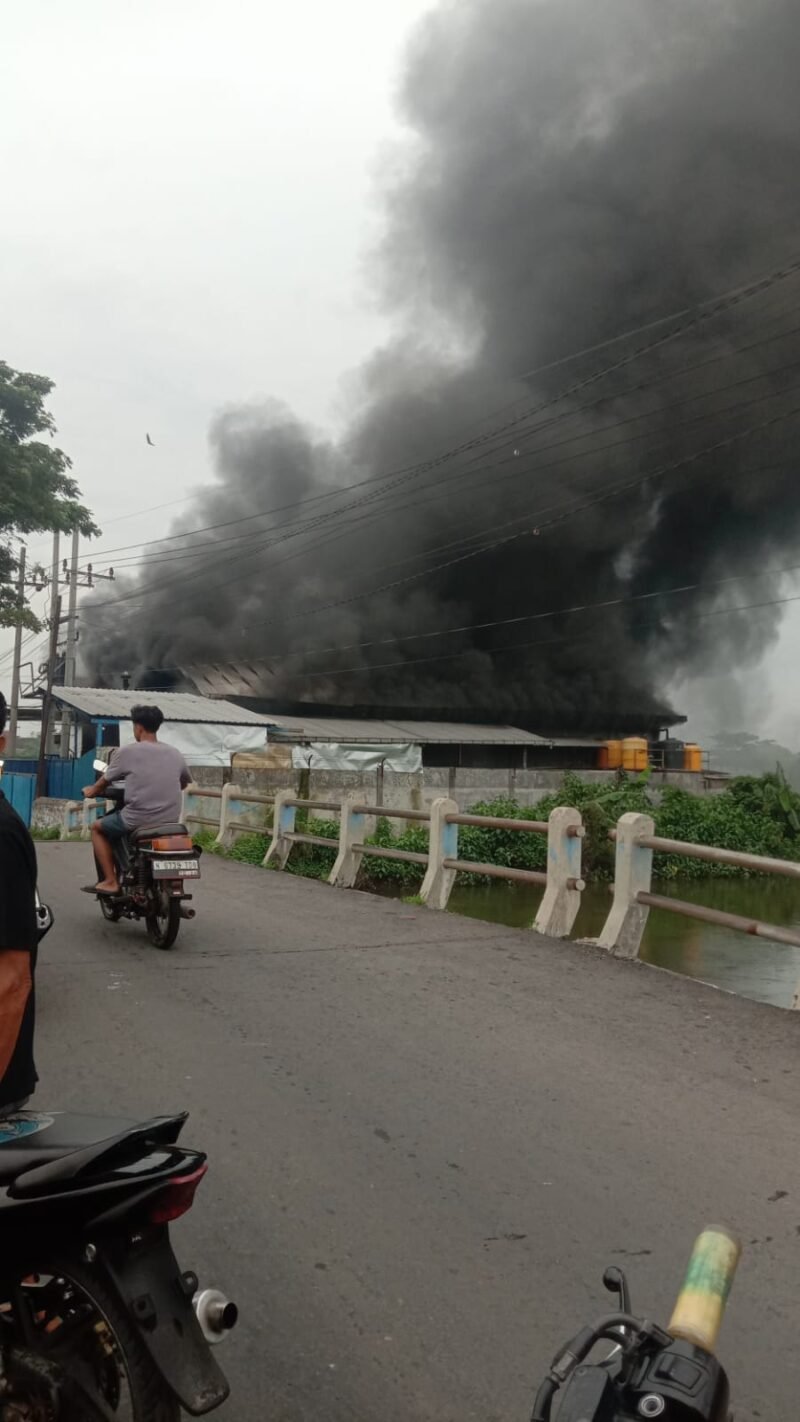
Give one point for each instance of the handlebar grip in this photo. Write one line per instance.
(699, 1310)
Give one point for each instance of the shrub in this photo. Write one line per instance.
(756, 815)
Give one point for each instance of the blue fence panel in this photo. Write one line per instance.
(65, 778)
(20, 791)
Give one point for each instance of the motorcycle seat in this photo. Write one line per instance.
(62, 1144)
(144, 832)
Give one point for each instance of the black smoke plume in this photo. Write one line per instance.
(574, 170)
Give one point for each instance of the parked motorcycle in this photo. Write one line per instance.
(97, 1321)
(651, 1372)
(152, 864)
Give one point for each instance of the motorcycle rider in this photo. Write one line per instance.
(154, 775)
(18, 940)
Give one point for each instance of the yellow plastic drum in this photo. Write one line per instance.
(692, 758)
(634, 753)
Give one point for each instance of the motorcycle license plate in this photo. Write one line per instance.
(176, 869)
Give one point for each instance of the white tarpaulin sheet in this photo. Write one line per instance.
(327, 756)
(204, 742)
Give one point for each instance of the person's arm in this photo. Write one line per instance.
(15, 987)
(186, 776)
(91, 792)
(17, 900)
(111, 775)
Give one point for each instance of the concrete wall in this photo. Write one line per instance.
(466, 787)
(48, 814)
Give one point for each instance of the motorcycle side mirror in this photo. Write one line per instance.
(100, 766)
(44, 919)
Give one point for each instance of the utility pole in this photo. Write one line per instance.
(70, 660)
(47, 704)
(12, 727)
(55, 603)
(37, 582)
(75, 578)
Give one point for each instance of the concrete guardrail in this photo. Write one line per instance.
(636, 843)
(80, 815)
(233, 811)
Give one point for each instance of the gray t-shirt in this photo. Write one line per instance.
(154, 775)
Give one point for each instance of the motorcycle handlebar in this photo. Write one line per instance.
(700, 1307)
(696, 1319)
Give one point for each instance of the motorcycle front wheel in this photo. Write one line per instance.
(164, 920)
(73, 1322)
(110, 911)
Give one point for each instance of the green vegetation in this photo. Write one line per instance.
(756, 815)
(37, 493)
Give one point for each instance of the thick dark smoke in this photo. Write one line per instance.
(575, 171)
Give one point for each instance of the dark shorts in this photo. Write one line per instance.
(113, 826)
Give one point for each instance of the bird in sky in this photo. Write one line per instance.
(149, 441)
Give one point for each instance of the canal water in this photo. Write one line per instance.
(752, 967)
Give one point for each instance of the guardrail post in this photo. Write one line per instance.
(91, 810)
(229, 792)
(189, 794)
(351, 831)
(88, 815)
(562, 896)
(282, 824)
(71, 820)
(442, 844)
(633, 873)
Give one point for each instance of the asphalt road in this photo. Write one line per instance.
(428, 1136)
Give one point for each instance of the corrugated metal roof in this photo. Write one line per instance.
(231, 678)
(337, 730)
(97, 702)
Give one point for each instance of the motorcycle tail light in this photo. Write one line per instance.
(171, 843)
(176, 1198)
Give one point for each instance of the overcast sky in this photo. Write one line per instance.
(190, 196)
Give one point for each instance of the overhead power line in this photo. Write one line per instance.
(196, 550)
(521, 646)
(602, 606)
(568, 511)
(519, 471)
(689, 318)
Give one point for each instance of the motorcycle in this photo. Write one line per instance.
(97, 1321)
(670, 1374)
(152, 864)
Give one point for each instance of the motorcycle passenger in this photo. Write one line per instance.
(19, 937)
(153, 774)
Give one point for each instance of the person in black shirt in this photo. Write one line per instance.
(18, 940)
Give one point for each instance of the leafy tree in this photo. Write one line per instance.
(37, 494)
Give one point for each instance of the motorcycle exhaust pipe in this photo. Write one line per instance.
(188, 912)
(215, 1314)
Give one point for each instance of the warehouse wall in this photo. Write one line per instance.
(466, 787)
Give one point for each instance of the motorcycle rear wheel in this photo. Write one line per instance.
(163, 925)
(100, 1347)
